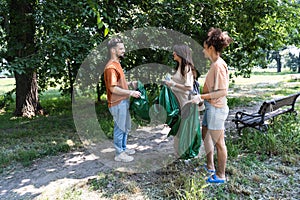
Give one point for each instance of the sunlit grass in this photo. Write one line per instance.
(6, 85)
(24, 140)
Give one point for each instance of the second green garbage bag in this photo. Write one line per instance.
(189, 132)
(184, 124)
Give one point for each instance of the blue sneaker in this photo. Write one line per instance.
(215, 179)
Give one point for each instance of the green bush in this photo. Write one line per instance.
(281, 138)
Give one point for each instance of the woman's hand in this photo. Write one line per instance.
(170, 83)
(197, 99)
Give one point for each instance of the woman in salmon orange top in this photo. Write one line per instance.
(216, 110)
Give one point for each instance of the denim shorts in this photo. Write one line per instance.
(214, 118)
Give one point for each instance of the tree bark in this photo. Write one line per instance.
(70, 79)
(278, 60)
(21, 45)
(27, 101)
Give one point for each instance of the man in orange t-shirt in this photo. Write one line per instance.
(118, 99)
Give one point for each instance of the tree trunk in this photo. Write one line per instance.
(70, 79)
(27, 101)
(98, 92)
(21, 45)
(278, 60)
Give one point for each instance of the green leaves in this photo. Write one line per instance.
(68, 31)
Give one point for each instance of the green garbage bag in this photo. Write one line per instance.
(189, 133)
(169, 102)
(140, 106)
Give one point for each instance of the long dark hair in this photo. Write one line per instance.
(185, 53)
(218, 39)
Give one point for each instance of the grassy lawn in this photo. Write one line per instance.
(24, 140)
(256, 161)
(6, 84)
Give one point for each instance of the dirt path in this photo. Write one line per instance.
(49, 175)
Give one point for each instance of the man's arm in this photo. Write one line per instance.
(119, 91)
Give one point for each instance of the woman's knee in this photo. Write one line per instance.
(220, 145)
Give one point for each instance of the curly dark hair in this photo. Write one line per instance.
(218, 39)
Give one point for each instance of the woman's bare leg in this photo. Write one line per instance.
(209, 148)
(218, 138)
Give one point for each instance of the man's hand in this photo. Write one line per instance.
(135, 94)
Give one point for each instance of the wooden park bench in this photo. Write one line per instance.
(268, 110)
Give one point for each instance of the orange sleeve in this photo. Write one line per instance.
(111, 77)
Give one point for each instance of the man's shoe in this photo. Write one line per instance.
(123, 157)
(130, 151)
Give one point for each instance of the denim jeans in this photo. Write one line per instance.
(122, 125)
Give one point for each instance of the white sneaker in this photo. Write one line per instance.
(130, 151)
(123, 157)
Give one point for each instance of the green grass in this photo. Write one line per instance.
(7, 84)
(272, 73)
(23, 140)
(281, 138)
(241, 101)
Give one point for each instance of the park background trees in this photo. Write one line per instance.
(43, 43)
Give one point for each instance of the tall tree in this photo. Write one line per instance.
(21, 47)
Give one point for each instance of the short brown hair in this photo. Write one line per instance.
(113, 42)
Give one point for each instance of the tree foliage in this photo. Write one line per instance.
(66, 32)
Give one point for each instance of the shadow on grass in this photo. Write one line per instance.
(49, 178)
